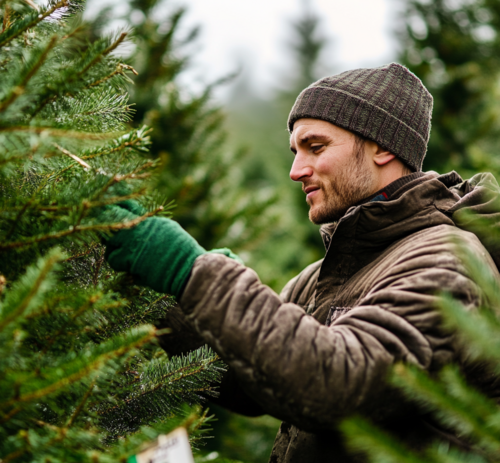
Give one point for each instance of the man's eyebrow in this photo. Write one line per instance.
(311, 136)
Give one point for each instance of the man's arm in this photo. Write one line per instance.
(312, 375)
(291, 365)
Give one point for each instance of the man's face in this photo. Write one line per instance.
(334, 175)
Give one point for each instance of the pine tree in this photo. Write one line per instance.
(307, 45)
(454, 48)
(261, 124)
(189, 138)
(82, 376)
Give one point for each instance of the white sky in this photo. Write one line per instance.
(256, 31)
(253, 34)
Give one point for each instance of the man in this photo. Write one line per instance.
(321, 350)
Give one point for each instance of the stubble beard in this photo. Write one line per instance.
(348, 188)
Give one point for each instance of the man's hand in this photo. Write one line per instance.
(158, 252)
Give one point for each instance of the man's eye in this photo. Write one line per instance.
(316, 148)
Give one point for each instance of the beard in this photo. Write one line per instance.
(347, 188)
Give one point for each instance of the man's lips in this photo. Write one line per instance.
(311, 191)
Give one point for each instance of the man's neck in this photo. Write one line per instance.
(390, 191)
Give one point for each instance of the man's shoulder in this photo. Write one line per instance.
(444, 235)
(435, 246)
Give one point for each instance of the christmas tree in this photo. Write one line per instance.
(261, 124)
(454, 48)
(197, 167)
(82, 376)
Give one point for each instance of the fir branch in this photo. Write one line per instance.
(11, 414)
(481, 329)
(90, 303)
(80, 406)
(120, 70)
(90, 59)
(78, 229)
(187, 375)
(8, 316)
(135, 174)
(377, 445)
(140, 136)
(16, 221)
(29, 21)
(104, 53)
(13, 159)
(451, 409)
(83, 254)
(99, 109)
(43, 424)
(25, 208)
(83, 372)
(72, 156)
(61, 133)
(75, 31)
(88, 205)
(163, 383)
(31, 4)
(30, 70)
(14, 455)
(6, 18)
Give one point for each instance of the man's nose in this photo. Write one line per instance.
(300, 169)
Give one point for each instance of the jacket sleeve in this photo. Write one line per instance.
(313, 375)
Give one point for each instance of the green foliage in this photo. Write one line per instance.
(188, 137)
(454, 48)
(242, 438)
(82, 376)
(306, 46)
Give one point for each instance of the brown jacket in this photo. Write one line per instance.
(321, 350)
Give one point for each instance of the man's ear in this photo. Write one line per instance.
(382, 156)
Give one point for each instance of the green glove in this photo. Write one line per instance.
(158, 252)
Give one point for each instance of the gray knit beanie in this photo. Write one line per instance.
(388, 105)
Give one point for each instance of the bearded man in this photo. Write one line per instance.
(321, 350)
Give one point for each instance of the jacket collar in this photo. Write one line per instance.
(367, 230)
(402, 199)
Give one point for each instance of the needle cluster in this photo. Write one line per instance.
(82, 377)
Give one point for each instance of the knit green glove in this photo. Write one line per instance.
(158, 252)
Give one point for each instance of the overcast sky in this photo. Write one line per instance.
(253, 34)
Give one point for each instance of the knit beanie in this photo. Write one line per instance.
(388, 105)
